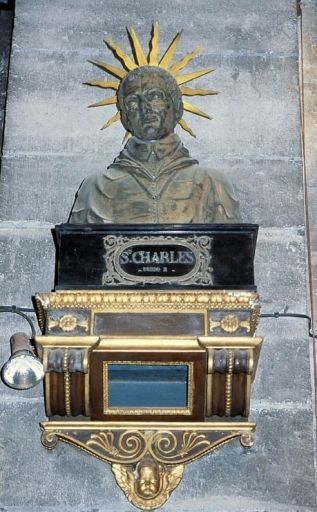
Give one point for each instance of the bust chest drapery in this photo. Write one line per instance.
(155, 182)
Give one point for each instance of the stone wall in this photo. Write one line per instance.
(6, 22)
(52, 141)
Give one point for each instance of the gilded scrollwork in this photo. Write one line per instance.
(129, 446)
(247, 439)
(165, 447)
(49, 439)
(147, 462)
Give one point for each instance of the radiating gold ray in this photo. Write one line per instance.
(188, 91)
(194, 110)
(113, 70)
(137, 48)
(168, 55)
(112, 120)
(154, 46)
(126, 136)
(184, 61)
(128, 64)
(182, 79)
(121, 55)
(107, 101)
(185, 127)
(103, 84)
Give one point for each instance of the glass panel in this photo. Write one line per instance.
(136, 386)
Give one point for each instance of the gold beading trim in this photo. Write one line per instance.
(148, 300)
(228, 387)
(67, 397)
(40, 312)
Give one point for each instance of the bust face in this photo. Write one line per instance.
(148, 110)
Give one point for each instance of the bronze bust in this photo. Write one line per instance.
(154, 179)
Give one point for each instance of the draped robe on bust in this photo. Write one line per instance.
(155, 182)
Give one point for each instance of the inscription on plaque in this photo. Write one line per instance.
(172, 260)
(164, 259)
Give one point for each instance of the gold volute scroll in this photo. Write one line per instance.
(148, 463)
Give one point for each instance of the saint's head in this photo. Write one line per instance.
(150, 103)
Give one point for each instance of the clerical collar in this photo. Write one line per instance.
(142, 150)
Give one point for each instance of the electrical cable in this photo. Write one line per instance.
(291, 315)
(21, 312)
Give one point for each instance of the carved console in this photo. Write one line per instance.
(150, 378)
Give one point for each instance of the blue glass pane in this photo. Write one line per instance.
(153, 386)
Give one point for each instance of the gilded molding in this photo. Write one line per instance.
(254, 319)
(188, 410)
(129, 442)
(40, 312)
(87, 394)
(209, 395)
(148, 300)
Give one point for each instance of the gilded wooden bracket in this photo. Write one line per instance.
(147, 462)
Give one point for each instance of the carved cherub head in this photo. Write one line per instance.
(149, 485)
(148, 479)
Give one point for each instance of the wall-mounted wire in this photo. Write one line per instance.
(21, 312)
(276, 314)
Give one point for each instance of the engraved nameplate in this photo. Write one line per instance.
(155, 256)
(157, 259)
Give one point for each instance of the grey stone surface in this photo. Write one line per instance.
(286, 343)
(48, 106)
(280, 269)
(27, 258)
(309, 90)
(6, 18)
(268, 28)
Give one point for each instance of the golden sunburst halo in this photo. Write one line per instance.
(152, 59)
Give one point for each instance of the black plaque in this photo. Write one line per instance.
(166, 256)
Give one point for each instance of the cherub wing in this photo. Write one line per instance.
(123, 477)
(173, 477)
